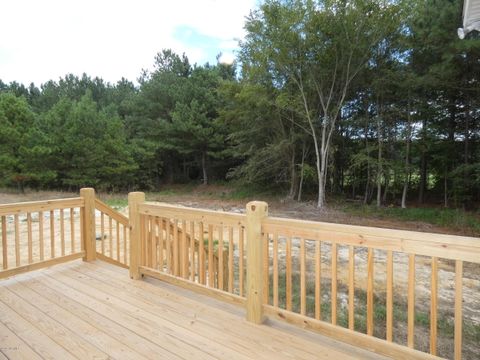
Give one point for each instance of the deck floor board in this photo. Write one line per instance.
(93, 310)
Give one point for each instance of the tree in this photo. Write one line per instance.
(262, 136)
(319, 48)
(16, 120)
(83, 146)
(447, 72)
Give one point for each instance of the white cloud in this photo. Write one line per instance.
(43, 40)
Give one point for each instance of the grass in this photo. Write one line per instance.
(117, 202)
(449, 218)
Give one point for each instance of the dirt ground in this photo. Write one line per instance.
(217, 198)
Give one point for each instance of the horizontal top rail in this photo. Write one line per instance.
(428, 244)
(211, 216)
(34, 206)
(104, 208)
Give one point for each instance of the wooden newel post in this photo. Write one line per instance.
(256, 212)
(88, 222)
(134, 199)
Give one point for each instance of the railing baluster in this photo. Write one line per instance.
(411, 302)
(351, 287)
(240, 260)
(192, 250)
(118, 239)
(62, 232)
(17, 240)
(389, 299)
(370, 265)
(29, 237)
(161, 243)
(288, 275)
(230, 259)
(184, 250)
(125, 243)
(40, 235)
(433, 306)
(211, 275)
(72, 231)
(4, 242)
(168, 249)
(303, 287)
(102, 232)
(266, 272)
(334, 284)
(458, 309)
(155, 237)
(52, 234)
(201, 252)
(318, 280)
(153, 225)
(220, 278)
(176, 253)
(143, 239)
(110, 236)
(275, 269)
(150, 250)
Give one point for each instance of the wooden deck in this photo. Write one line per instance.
(93, 310)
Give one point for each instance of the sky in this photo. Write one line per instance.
(44, 40)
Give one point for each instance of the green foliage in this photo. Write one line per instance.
(86, 146)
(16, 120)
(117, 203)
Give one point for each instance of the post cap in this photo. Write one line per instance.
(259, 207)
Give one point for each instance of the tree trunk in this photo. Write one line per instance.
(450, 163)
(293, 176)
(385, 191)
(445, 190)
(204, 168)
(321, 188)
(321, 163)
(353, 185)
(404, 193)
(407, 158)
(367, 185)
(379, 165)
(300, 185)
(466, 160)
(423, 178)
(423, 164)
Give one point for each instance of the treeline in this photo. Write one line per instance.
(370, 100)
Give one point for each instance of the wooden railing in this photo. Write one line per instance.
(189, 246)
(313, 249)
(112, 235)
(356, 284)
(40, 234)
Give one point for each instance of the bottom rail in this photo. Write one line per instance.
(345, 335)
(109, 260)
(40, 265)
(186, 284)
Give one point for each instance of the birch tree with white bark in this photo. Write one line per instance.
(315, 50)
